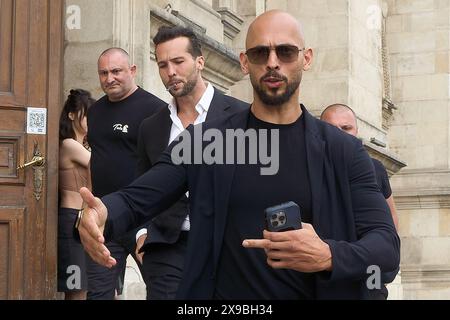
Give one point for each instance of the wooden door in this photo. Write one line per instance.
(30, 76)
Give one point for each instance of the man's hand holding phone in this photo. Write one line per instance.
(298, 247)
(283, 217)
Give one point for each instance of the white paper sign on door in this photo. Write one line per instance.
(36, 120)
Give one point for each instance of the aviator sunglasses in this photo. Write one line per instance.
(285, 53)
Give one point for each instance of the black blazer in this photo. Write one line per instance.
(154, 134)
(349, 212)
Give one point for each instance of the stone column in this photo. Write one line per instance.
(418, 35)
(248, 10)
(84, 42)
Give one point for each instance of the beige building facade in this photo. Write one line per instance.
(387, 59)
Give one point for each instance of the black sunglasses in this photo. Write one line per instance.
(285, 52)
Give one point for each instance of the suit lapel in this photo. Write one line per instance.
(223, 181)
(218, 106)
(315, 147)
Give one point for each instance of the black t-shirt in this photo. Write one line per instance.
(112, 135)
(244, 273)
(382, 178)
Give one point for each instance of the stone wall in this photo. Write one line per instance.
(418, 39)
(84, 43)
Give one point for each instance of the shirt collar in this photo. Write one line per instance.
(201, 107)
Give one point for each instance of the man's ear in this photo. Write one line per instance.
(244, 63)
(308, 59)
(133, 69)
(200, 60)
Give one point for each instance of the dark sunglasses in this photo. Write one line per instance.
(285, 53)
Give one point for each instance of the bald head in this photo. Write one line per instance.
(116, 75)
(342, 117)
(275, 19)
(118, 51)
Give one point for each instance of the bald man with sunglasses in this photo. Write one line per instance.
(346, 227)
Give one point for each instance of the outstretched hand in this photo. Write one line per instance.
(91, 229)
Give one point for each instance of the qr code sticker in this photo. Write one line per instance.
(37, 121)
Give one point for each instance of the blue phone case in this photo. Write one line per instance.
(283, 217)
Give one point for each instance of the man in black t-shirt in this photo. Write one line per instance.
(113, 123)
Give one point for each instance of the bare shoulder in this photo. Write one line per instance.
(72, 151)
(71, 145)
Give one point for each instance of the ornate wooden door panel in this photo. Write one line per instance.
(30, 76)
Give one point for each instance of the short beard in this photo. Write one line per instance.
(276, 100)
(187, 88)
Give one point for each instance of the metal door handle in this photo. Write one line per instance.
(38, 165)
(36, 161)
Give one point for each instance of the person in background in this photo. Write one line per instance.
(114, 122)
(73, 174)
(343, 117)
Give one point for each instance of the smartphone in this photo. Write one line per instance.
(283, 217)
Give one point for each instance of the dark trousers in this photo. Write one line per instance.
(379, 294)
(102, 281)
(163, 267)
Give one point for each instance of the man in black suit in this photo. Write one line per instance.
(347, 229)
(344, 118)
(161, 245)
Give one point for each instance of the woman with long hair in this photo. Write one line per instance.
(74, 173)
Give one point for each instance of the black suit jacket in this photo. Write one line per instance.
(154, 134)
(349, 212)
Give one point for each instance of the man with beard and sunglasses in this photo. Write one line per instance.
(161, 245)
(346, 227)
